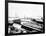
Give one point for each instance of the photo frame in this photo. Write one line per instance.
(23, 2)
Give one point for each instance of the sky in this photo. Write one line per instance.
(28, 10)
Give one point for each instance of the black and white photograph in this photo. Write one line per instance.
(25, 17)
